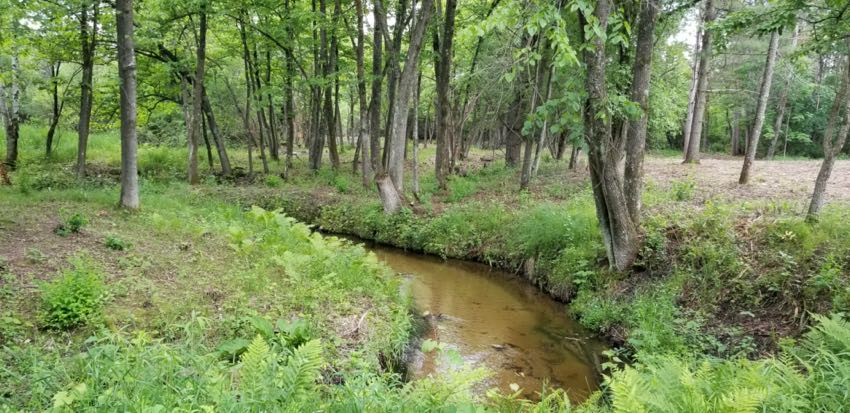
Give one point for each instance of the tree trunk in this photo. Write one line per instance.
(274, 144)
(88, 41)
(397, 139)
(832, 143)
(764, 94)
(197, 97)
(416, 136)
(127, 73)
(734, 131)
(574, 153)
(618, 230)
(692, 95)
(206, 141)
(57, 108)
(12, 111)
(362, 132)
(692, 152)
(783, 99)
(330, 71)
(220, 146)
(636, 138)
(442, 68)
(377, 80)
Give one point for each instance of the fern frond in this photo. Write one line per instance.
(302, 370)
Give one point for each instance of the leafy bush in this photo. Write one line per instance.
(72, 225)
(273, 181)
(683, 190)
(75, 298)
(116, 244)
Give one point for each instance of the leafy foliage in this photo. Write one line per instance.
(75, 298)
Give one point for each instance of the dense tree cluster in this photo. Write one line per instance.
(296, 78)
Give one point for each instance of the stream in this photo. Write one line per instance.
(495, 320)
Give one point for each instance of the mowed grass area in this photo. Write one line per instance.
(201, 301)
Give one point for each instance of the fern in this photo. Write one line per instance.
(301, 372)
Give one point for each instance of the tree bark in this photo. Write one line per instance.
(127, 74)
(377, 80)
(58, 105)
(197, 97)
(416, 136)
(442, 68)
(330, 71)
(832, 143)
(692, 152)
(761, 107)
(783, 99)
(88, 41)
(692, 94)
(274, 144)
(636, 134)
(12, 111)
(618, 231)
(397, 139)
(220, 146)
(363, 137)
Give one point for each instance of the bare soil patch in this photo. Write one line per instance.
(771, 180)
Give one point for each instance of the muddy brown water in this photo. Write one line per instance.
(499, 322)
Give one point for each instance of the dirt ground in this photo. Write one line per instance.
(771, 180)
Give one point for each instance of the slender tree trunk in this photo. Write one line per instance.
(363, 136)
(574, 153)
(330, 71)
(416, 136)
(88, 41)
(57, 108)
(377, 80)
(443, 67)
(832, 143)
(197, 97)
(692, 95)
(692, 153)
(636, 138)
(544, 131)
(761, 107)
(274, 145)
(783, 99)
(735, 128)
(207, 141)
(12, 111)
(220, 146)
(127, 74)
(397, 139)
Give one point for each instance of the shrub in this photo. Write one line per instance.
(72, 225)
(75, 298)
(116, 244)
(683, 190)
(273, 181)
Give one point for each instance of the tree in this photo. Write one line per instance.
(397, 138)
(197, 96)
(636, 139)
(833, 140)
(89, 13)
(442, 69)
(782, 104)
(692, 140)
(764, 93)
(10, 106)
(127, 73)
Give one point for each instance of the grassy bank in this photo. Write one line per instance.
(203, 301)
